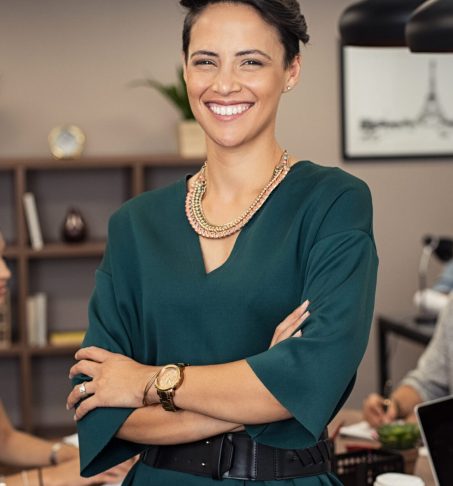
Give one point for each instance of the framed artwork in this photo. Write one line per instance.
(5, 323)
(396, 104)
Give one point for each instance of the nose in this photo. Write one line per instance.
(226, 81)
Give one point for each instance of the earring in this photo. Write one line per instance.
(288, 88)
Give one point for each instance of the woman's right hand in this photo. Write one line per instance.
(288, 327)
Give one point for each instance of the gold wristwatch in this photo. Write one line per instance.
(168, 380)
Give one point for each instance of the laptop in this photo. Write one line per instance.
(435, 419)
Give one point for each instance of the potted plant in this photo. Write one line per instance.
(191, 138)
(403, 438)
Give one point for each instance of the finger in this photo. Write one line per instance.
(84, 367)
(78, 393)
(289, 330)
(290, 320)
(85, 406)
(93, 353)
(294, 327)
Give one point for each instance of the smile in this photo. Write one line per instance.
(229, 110)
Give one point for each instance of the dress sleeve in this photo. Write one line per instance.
(432, 376)
(312, 376)
(99, 448)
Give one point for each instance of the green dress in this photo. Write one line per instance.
(154, 302)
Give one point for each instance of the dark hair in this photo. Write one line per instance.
(284, 15)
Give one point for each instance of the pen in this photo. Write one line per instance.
(387, 392)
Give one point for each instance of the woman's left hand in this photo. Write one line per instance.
(117, 381)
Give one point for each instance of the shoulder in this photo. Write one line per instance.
(328, 180)
(338, 201)
(147, 206)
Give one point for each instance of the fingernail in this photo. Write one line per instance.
(75, 418)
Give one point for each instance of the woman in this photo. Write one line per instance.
(179, 284)
(57, 463)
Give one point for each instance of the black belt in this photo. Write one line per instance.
(237, 456)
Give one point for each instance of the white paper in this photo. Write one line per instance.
(360, 430)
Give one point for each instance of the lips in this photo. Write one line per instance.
(228, 110)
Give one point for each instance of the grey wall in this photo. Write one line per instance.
(63, 61)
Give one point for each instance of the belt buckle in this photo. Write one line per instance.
(221, 455)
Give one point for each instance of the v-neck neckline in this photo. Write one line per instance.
(195, 238)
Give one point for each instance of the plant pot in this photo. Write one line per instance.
(191, 139)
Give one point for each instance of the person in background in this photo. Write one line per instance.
(44, 463)
(432, 378)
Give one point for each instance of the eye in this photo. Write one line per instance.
(203, 62)
(252, 63)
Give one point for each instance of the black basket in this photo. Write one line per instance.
(360, 468)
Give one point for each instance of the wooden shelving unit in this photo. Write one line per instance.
(137, 175)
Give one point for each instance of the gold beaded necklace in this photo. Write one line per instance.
(203, 227)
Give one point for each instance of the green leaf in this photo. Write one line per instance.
(175, 93)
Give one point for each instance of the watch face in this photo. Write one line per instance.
(168, 378)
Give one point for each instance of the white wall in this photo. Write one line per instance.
(63, 61)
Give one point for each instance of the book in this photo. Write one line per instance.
(41, 318)
(66, 338)
(37, 319)
(31, 216)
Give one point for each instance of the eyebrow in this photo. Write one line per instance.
(247, 52)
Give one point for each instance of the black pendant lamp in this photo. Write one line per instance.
(430, 28)
(377, 23)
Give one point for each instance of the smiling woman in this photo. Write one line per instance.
(218, 271)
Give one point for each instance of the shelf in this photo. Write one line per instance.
(11, 251)
(13, 351)
(64, 250)
(65, 271)
(106, 162)
(49, 350)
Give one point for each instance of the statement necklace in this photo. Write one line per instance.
(194, 198)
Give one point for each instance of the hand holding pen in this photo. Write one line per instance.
(378, 410)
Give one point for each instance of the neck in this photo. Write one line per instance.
(236, 172)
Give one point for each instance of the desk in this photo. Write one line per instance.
(350, 416)
(405, 327)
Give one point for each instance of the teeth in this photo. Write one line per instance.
(229, 110)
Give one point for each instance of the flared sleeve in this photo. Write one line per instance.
(109, 328)
(312, 376)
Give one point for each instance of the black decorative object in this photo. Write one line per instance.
(74, 228)
(377, 23)
(430, 28)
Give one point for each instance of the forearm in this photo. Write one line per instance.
(406, 399)
(24, 450)
(154, 425)
(230, 392)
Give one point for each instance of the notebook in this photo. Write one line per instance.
(435, 419)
